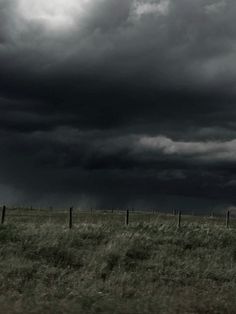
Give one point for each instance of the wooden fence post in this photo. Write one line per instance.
(127, 217)
(227, 219)
(3, 214)
(70, 217)
(179, 218)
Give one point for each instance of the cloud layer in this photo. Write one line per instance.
(118, 103)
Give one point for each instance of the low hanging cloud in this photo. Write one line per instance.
(209, 151)
(104, 100)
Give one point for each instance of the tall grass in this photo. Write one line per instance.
(103, 267)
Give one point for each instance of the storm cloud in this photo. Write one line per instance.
(118, 103)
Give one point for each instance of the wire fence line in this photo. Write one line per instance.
(74, 216)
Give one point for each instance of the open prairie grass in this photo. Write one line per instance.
(103, 266)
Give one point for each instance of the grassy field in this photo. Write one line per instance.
(104, 266)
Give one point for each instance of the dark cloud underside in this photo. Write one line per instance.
(128, 103)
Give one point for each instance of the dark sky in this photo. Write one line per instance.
(113, 103)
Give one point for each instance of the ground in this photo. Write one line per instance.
(103, 266)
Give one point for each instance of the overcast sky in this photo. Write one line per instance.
(115, 103)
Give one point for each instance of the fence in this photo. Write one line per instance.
(72, 216)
